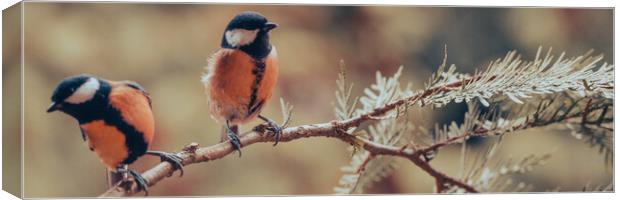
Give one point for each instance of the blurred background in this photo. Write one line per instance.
(164, 47)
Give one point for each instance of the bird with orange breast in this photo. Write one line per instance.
(115, 119)
(242, 75)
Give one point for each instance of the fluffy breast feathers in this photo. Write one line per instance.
(106, 141)
(229, 80)
(134, 105)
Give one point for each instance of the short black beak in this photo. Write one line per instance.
(270, 25)
(53, 107)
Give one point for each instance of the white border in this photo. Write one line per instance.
(471, 3)
(22, 93)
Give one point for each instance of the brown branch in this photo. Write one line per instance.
(337, 129)
(362, 166)
(334, 129)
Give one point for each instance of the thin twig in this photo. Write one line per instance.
(364, 163)
(334, 129)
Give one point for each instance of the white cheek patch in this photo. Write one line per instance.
(85, 92)
(240, 37)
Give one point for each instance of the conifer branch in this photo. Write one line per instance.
(193, 154)
(337, 129)
(386, 100)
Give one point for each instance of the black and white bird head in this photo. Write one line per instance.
(249, 32)
(78, 94)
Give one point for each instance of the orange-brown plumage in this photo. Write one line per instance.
(115, 119)
(270, 77)
(229, 83)
(106, 141)
(242, 75)
(135, 108)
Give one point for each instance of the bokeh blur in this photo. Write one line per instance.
(164, 47)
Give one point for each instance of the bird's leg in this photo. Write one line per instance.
(140, 182)
(176, 161)
(273, 127)
(232, 136)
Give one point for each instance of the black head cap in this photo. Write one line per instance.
(67, 86)
(250, 20)
(62, 96)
